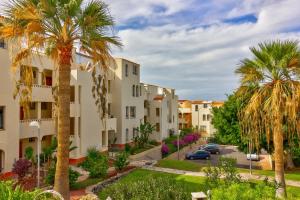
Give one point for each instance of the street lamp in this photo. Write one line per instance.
(36, 124)
(178, 134)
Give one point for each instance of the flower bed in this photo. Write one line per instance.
(171, 144)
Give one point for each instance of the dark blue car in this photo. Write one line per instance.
(199, 154)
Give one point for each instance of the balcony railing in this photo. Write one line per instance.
(47, 127)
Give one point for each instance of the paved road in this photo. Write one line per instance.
(233, 152)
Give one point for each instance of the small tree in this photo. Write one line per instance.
(21, 168)
(145, 130)
(121, 161)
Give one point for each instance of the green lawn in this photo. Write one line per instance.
(196, 184)
(192, 166)
(86, 183)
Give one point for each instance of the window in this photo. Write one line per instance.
(202, 128)
(127, 134)
(140, 90)
(109, 86)
(127, 112)
(32, 106)
(134, 132)
(204, 117)
(133, 90)
(44, 105)
(126, 70)
(205, 105)
(208, 117)
(1, 117)
(132, 111)
(196, 107)
(157, 112)
(2, 43)
(108, 108)
(72, 125)
(137, 91)
(157, 127)
(135, 69)
(180, 125)
(72, 95)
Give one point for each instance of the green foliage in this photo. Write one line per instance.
(73, 176)
(244, 191)
(121, 161)
(127, 148)
(8, 191)
(161, 188)
(185, 131)
(96, 163)
(225, 169)
(145, 130)
(29, 153)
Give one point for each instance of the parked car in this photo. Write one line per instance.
(212, 148)
(199, 154)
(254, 157)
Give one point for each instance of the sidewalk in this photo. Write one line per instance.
(244, 176)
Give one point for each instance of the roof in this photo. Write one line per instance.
(158, 97)
(217, 103)
(197, 102)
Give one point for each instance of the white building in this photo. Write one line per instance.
(202, 116)
(160, 108)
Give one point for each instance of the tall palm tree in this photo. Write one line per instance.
(56, 27)
(271, 77)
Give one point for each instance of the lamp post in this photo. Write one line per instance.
(178, 134)
(37, 125)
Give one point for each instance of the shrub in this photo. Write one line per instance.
(21, 167)
(121, 161)
(181, 143)
(29, 153)
(162, 188)
(244, 191)
(127, 147)
(73, 176)
(98, 168)
(164, 150)
(11, 192)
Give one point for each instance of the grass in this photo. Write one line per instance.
(192, 166)
(196, 184)
(86, 183)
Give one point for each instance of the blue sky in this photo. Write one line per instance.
(194, 46)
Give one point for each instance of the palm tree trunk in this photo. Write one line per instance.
(279, 163)
(61, 183)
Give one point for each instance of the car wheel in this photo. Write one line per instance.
(191, 158)
(207, 158)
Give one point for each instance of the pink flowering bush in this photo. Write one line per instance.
(181, 143)
(191, 138)
(164, 149)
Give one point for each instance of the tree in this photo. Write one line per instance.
(55, 27)
(145, 130)
(272, 79)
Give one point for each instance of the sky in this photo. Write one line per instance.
(194, 46)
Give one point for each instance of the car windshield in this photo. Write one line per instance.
(199, 152)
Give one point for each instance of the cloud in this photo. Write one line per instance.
(199, 61)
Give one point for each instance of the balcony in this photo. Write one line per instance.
(47, 128)
(184, 110)
(111, 124)
(42, 93)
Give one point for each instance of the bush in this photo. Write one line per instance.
(244, 191)
(96, 163)
(73, 176)
(21, 167)
(127, 148)
(11, 192)
(164, 150)
(162, 188)
(121, 161)
(181, 143)
(29, 153)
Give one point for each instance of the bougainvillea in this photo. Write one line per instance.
(21, 167)
(164, 149)
(181, 143)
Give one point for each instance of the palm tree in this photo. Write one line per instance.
(272, 80)
(55, 27)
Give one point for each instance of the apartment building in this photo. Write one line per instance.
(160, 109)
(127, 101)
(202, 116)
(16, 134)
(184, 114)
